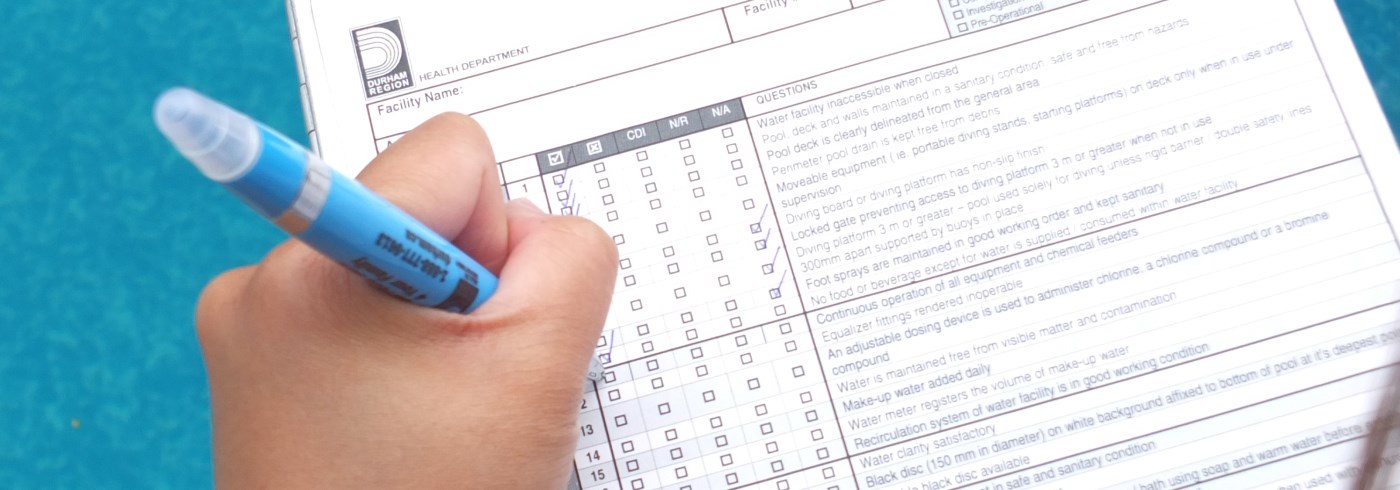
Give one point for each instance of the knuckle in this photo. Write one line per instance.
(218, 300)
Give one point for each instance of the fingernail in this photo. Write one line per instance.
(527, 205)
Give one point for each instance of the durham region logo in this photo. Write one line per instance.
(383, 59)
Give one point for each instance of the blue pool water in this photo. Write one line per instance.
(106, 236)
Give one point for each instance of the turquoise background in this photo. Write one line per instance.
(106, 237)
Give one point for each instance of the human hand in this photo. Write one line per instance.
(318, 380)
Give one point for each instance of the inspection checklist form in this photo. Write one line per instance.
(929, 244)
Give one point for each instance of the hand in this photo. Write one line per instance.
(318, 380)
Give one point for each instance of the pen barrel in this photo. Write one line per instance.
(352, 225)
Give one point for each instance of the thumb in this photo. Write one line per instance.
(442, 173)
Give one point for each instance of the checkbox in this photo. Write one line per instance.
(641, 156)
(957, 14)
(954, 3)
(627, 447)
(712, 239)
(636, 304)
(698, 192)
(646, 171)
(828, 471)
(716, 422)
(558, 179)
(806, 397)
(745, 358)
(760, 244)
(653, 364)
(780, 310)
(822, 453)
(599, 168)
(702, 370)
(731, 478)
(694, 175)
(811, 415)
(607, 199)
(658, 383)
(614, 395)
(798, 372)
(696, 353)
(727, 460)
(741, 340)
(663, 408)
(662, 228)
(736, 164)
(638, 484)
(629, 281)
(753, 383)
(783, 485)
(602, 341)
(748, 204)
(681, 472)
(676, 453)
(741, 180)
(562, 195)
(647, 346)
(708, 396)
(633, 466)
(775, 293)
(724, 280)
(727, 132)
(785, 328)
(731, 305)
(687, 317)
(691, 334)
(624, 264)
(791, 346)
(612, 215)
(650, 187)
(716, 256)
(771, 447)
(732, 148)
(603, 183)
(721, 441)
(655, 204)
(755, 228)
(620, 420)
(766, 428)
(689, 159)
(736, 322)
(668, 251)
(777, 466)
(680, 293)
(643, 329)
(673, 268)
(618, 239)
(760, 409)
(767, 268)
(685, 144)
(610, 376)
(705, 215)
(605, 358)
(567, 211)
(962, 27)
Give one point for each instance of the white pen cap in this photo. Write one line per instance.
(221, 142)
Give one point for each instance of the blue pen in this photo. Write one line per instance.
(333, 214)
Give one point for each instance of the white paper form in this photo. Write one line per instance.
(929, 244)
